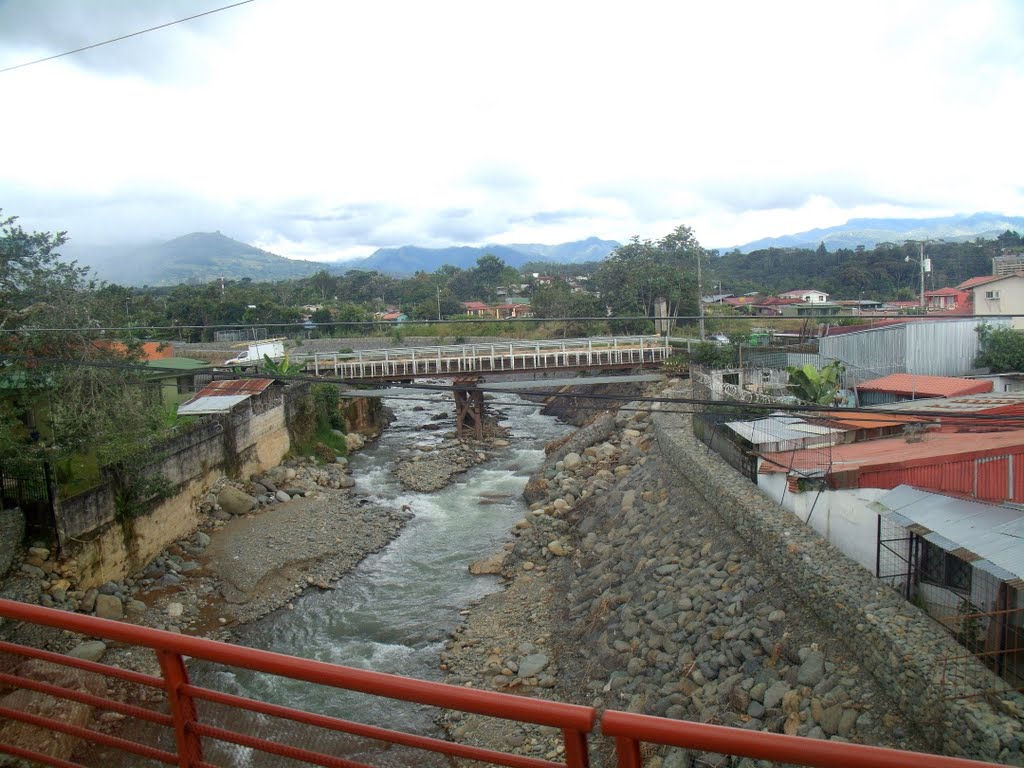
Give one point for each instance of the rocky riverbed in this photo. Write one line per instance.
(626, 592)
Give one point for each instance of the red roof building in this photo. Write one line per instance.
(987, 466)
(947, 299)
(912, 386)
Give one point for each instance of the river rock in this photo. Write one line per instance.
(571, 461)
(234, 501)
(109, 607)
(282, 497)
(91, 650)
(812, 670)
(354, 441)
(531, 666)
(492, 564)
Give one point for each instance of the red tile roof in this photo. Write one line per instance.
(944, 292)
(916, 385)
(966, 285)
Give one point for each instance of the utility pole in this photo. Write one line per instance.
(700, 296)
(921, 258)
(438, 302)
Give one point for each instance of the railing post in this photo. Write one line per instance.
(628, 751)
(576, 755)
(183, 709)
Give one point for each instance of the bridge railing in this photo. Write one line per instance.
(182, 710)
(490, 357)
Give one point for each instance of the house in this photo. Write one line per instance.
(959, 560)
(772, 306)
(806, 294)
(178, 377)
(811, 309)
(393, 317)
(998, 295)
(943, 299)
(897, 387)
(856, 306)
(988, 466)
(476, 308)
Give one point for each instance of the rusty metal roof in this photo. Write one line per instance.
(234, 387)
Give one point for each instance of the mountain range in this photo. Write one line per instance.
(870, 232)
(206, 256)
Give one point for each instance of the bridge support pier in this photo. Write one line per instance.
(469, 407)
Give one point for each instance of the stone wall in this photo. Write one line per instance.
(902, 647)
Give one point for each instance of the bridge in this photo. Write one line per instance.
(405, 363)
(200, 721)
(468, 363)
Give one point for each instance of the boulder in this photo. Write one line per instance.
(109, 607)
(354, 441)
(572, 460)
(282, 497)
(492, 564)
(91, 650)
(234, 501)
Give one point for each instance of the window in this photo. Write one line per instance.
(992, 295)
(943, 569)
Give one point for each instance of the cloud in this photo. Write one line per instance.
(34, 30)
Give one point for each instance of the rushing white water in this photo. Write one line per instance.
(391, 614)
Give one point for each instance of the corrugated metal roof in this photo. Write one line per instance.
(898, 453)
(234, 387)
(201, 406)
(978, 402)
(925, 386)
(991, 534)
(778, 428)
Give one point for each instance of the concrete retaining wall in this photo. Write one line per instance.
(907, 653)
(109, 546)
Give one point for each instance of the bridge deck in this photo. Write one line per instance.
(513, 356)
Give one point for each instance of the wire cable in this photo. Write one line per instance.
(124, 37)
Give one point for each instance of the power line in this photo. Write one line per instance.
(125, 37)
(866, 414)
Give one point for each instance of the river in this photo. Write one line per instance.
(393, 612)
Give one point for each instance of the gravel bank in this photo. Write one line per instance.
(628, 592)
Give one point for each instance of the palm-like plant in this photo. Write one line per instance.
(815, 386)
(283, 367)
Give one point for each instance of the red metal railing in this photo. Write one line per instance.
(190, 733)
(629, 730)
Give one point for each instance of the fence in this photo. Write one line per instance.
(984, 613)
(29, 484)
(185, 711)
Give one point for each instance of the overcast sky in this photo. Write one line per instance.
(325, 129)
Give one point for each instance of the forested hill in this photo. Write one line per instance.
(882, 272)
(196, 257)
(409, 259)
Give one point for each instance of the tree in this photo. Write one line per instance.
(70, 387)
(636, 275)
(1001, 349)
